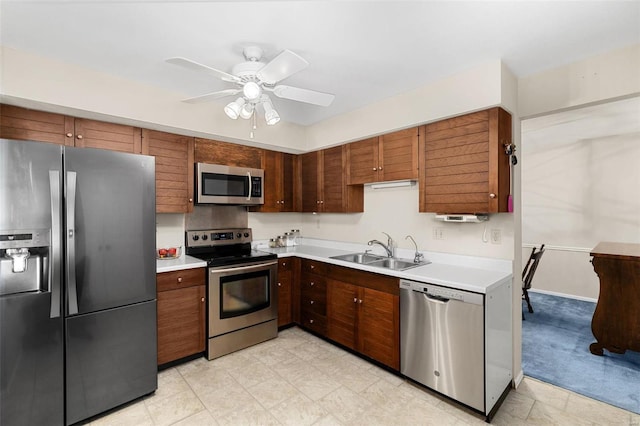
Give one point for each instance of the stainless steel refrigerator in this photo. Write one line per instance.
(77, 282)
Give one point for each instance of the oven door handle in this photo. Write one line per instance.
(243, 268)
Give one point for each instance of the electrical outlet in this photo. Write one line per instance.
(496, 236)
(438, 233)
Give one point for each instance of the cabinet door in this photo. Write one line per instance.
(309, 164)
(464, 168)
(174, 170)
(30, 125)
(342, 306)
(333, 180)
(287, 203)
(114, 137)
(272, 190)
(181, 323)
(399, 155)
(285, 280)
(379, 326)
(363, 161)
(228, 154)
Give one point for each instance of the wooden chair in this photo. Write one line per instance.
(527, 275)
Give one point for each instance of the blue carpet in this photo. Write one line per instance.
(555, 349)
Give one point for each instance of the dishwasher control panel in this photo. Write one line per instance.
(442, 292)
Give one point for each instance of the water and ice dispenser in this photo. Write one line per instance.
(24, 261)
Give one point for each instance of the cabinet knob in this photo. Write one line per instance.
(375, 168)
(313, 266)
(360, 301)
(284, 264)
(282, 202)
(380, 168)
(355, 300)
(191, 200)
(179, 279)
(311, 284)
(277, 201)
(318, 202)
(310, 321)
(311, 302)
(79, 136)
(321, 202)
(202, 300)
(69, 135)
(492, 195)
(279, 284)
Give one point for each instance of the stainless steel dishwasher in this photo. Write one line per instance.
(442, 340)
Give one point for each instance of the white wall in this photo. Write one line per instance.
(581, 185)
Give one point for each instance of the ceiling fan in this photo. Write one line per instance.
(253, 79)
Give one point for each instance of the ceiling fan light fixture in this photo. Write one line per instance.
(251, 90)
(233, 108)
(246, 111)
(271, 116)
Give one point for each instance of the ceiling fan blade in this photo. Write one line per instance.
(282, 66)
(303, 95)
(195, 66)
(211, 96)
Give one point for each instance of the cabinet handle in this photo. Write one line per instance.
(355, 300)
(179, 279)
(69, 135)
(492, 195)
(79, 136)
(310, 321)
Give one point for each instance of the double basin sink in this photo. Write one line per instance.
(380, 261)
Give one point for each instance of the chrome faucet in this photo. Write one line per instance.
(418, 257)
(387, 247)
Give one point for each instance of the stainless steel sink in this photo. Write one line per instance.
(396, 264)
(379, 261)
(358, 257)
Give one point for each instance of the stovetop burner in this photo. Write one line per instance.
(223, 247)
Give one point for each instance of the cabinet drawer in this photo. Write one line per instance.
(314, 321)
(314, 267)
(311, 303)
(180, 279)
(312, 283)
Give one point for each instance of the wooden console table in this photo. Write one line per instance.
(616, 320)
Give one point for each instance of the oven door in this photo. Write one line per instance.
(242, 296)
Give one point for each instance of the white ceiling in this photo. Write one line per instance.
(361, 51)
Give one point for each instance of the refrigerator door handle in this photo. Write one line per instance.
(56, 243)
(72, 295)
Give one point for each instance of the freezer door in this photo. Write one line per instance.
(31, 338)
(111, 359)
(110, 229)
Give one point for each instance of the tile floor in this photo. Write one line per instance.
(299, 379)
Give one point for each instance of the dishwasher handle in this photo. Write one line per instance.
(435, 299)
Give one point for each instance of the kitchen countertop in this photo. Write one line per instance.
(180, 263)
(471, 273)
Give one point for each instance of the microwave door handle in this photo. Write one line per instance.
(72, 295)
(249, 175)
(56, 243)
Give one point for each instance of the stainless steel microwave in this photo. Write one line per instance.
(218, 184)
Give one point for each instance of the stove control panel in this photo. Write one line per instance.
(216, 237)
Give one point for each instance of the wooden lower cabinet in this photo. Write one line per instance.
(365, 320)
(313, 297)
(285, 283)
(182, 311)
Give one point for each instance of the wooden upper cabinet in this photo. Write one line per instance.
(279, 182)
(26, 124)
(393, 156)
(229, 154)
(114, 137)
(324, 185)
(463, 164)
(174, 170)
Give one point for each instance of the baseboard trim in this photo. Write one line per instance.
(518, 379)
(568, 296)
